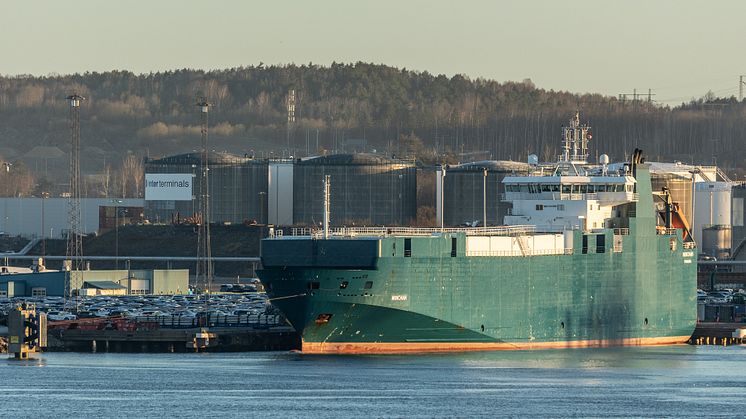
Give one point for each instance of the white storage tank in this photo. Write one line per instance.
(712, 206)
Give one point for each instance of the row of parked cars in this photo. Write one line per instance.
(722, 296)
(131, 306)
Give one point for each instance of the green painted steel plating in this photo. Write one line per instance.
(420, 292)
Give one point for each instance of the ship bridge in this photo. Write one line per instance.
(571, 193)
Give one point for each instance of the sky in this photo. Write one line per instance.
(678, 49)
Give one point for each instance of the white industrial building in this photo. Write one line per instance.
(48, 217)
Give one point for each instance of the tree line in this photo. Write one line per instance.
(339, 108)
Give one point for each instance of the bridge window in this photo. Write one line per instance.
(585, 244)
(566, 189)
(454, 246)
(601, 243)
(539, 207)
(407, 248)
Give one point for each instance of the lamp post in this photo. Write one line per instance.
(116, 203)
(44, 196)
(261, 207)
(6, 166)
(442, 197)
(484, 198)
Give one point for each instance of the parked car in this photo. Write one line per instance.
(57, 316)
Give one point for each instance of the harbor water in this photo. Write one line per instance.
(652, 382)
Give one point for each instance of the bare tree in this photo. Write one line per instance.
(133, 173)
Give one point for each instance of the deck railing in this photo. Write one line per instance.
(412, 231)
(537, 252)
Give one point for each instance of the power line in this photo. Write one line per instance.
(636, 96)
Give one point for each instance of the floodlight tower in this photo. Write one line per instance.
(204, 253)
(74, 250)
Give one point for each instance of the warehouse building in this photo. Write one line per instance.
(48, 217)
(103, 282)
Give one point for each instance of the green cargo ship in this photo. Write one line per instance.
(601, 265)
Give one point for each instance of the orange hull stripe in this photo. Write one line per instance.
(430, 347)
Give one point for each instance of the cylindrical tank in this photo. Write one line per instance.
(238, 186)
(465, 186)
(712, 206)
(366, 189)
(680, 188)
(716, 241)
(738, 237)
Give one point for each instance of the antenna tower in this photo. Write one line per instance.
(74, 250)
(204, 255)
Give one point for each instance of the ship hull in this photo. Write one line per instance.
(388, 348)
(643, 295)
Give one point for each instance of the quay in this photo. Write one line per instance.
(227, 334)
(217, 339)
(717, 333)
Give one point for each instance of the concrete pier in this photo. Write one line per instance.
(214, 339)
(711, 333)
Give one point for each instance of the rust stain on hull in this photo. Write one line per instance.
(393, 348)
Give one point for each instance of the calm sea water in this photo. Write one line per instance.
(653, 382)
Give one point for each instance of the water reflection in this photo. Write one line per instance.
(654, 381)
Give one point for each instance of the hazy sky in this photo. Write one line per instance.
(680, 49)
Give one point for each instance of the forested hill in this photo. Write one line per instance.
(353, 107)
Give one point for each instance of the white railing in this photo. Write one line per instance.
(621, 231)
(562, 196)
(412, 231)
(662, 231)
(689, 245)
(528, 252)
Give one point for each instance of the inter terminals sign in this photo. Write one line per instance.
(168, 186)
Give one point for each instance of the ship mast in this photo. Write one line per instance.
(575, 139)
